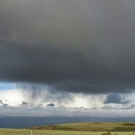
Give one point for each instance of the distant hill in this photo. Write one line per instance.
(90, 126)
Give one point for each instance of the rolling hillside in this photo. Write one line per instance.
(90, 126)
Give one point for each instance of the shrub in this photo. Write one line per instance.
(108, 133)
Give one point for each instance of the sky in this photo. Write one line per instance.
(67, 58)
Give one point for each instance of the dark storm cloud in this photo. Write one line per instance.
(24, 104)
(115, 98)
(51, 104)
(78, 46)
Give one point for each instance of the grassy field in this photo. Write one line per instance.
(89, 128)
(53, 132)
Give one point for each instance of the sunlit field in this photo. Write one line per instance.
(54, 132)
(91, 126)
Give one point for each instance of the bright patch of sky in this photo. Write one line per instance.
(23, 101)
(7, 86)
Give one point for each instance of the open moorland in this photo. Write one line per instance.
(89, 128)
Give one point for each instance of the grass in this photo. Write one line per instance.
(91, 126)
(87, 128)
(53, 132)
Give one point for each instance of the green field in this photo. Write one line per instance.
(89, 128)
(53, 132)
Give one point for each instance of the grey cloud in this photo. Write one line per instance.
(115, 98)
(24, 104)
(1, 102)
(107, 107)
(132, 106)
(5, 105)
(118, 107)
(78, 108)
(77, 46)
(51, 104)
